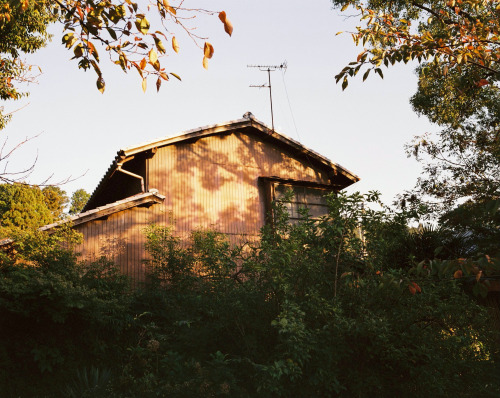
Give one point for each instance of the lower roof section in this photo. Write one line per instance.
(142, 199)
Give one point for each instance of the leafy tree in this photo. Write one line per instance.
(78, 201)
(123, 29)
(457, 46)
(23, 207)
(55, 199)
(23, 29)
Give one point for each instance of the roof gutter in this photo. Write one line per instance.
(119, 168)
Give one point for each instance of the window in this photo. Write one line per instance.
(297, 195)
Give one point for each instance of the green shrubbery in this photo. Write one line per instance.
(313, 309)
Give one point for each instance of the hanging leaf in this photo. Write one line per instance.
(153, 56)
(208, 50)
(144, 85)
(175, 46)
(176, 76)
(228, 26)
(142, 25)
(158, 84)
(143, 63)
(205, 62)
(101, 85)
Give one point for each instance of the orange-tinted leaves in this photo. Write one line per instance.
(208, 50)
(458, 274)
(143, 63)
(228, 26)
(482, 82)
(414, 288)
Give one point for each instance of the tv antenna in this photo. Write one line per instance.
(269, 69)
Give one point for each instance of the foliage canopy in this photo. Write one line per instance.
(314, 309)
(135, 35)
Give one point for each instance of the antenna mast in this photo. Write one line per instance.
(269, 69)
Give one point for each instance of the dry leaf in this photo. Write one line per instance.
(208, 50)
(153, 56)
(175, 46)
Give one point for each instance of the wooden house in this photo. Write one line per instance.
(222, 176)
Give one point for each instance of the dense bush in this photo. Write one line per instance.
(313, 309)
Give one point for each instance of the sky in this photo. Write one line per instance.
(78, 130)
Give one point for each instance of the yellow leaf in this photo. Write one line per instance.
(205, 62)
(166, 4)
(144, 84)
(153, 57)
(175, 46)
(208, 50)
(176, 75)
(164, 76)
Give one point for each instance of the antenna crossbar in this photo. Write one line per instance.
(269, 69)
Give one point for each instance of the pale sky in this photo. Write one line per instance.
(363, 128)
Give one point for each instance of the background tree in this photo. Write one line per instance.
(22, 207)
(55, 199)
(78, 201)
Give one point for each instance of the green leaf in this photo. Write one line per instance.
(112, 33)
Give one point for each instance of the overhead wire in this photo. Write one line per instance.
(290, 106)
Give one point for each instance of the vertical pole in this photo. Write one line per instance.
(270, 97)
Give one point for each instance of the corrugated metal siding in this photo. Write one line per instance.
(208, 183)
(119, 238)
(213, 182)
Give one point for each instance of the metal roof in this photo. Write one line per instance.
(132, 201)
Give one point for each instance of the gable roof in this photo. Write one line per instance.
(247, 122)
